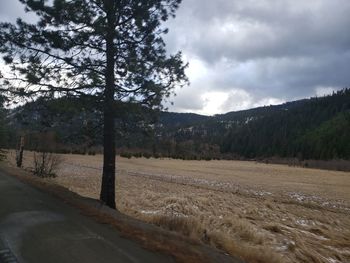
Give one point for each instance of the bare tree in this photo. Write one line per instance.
(46, 164)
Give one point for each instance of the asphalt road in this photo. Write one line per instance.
(35, 227)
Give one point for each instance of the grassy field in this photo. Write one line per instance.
(261, 212)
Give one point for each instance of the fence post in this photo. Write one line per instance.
(19, 153)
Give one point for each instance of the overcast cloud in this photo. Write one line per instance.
(247, 53)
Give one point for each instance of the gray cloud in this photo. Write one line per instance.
(273, 50)
(246, 30)
(10, 10)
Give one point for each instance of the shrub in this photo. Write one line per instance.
(147, 155)
(46, 164)
(157, 155)
(137, 155)
(126, 155)
(2, 155)
(79, 151)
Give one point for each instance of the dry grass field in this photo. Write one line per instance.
(261, 212)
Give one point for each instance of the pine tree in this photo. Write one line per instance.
(105, 49)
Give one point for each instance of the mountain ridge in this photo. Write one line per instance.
(277, 130)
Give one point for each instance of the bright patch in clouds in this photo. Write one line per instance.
(213, 102)
(234, 100)
(268, 102)
(322, 91)
(196, 70)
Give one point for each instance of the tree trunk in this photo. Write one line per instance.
(108, 177)
(19, 154)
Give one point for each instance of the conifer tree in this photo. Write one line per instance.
(105, 49)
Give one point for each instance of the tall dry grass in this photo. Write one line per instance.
(263, 213)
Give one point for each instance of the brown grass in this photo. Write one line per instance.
(249, 253)
(261, 212)
(273, 228)
(181, 248)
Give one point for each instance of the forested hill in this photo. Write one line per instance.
(316, 128)
(174, 119)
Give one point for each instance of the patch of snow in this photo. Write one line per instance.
(302, 222)
(285, 245)
(195, 207)
(335, 204)
(332, 260)
(259, 193)
(282, 248)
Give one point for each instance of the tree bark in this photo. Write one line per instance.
(19, 155)
(108, 177)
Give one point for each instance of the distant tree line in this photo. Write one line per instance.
(316, 128)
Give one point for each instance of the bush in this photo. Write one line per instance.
(63, 151)
(147, 155)
(46, 164)
(126, 155)
(2, 155)
(79, 151)
(137, 155)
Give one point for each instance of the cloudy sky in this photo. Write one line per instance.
(248, 53)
